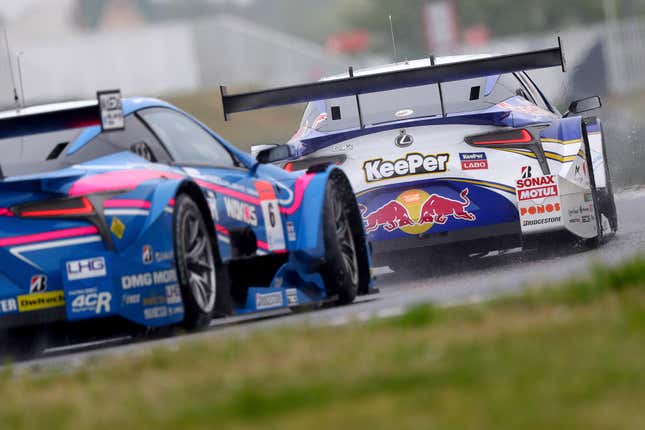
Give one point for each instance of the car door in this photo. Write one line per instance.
(237, 199)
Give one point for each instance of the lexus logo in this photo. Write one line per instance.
(403, 140)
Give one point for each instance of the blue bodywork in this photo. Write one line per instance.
(65, 269)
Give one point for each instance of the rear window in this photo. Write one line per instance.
(408, 103)
(37, 147)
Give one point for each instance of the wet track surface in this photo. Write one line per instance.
(462, 282)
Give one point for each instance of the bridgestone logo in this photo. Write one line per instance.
(527, 223)
(412, 164)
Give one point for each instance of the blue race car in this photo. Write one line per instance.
(137, 211)
(455, 156)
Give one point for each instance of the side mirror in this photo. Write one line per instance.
(255, 149)
(273, 154)
(584, 105)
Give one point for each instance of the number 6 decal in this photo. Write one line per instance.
(271, 215)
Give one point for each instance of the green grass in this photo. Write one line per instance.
(275, 125)
(564, 357)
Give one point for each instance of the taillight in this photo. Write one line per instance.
(502, 138)
(288, 167)
(305, 164)
(88, 207)
(59, 208)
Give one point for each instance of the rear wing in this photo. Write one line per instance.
(106, 111)
(357, 85)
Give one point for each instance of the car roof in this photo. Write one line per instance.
(130, 105)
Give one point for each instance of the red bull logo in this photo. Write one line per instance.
(416, 211)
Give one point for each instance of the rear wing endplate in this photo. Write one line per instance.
(357, 85)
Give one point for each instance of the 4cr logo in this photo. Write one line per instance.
(93, 302)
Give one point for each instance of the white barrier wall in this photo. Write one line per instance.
(162, 59)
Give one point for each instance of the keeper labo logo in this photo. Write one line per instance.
(537, 188)
(411, 164)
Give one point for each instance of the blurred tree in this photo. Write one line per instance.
(502, 17)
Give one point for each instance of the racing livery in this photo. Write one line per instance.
(145, 214)
(463, 151)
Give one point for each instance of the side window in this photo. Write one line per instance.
(537, 97)
(186, 140)
(136, 137)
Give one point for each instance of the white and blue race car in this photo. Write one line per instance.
(459, 152)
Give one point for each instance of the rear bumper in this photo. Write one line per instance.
(33, 318)
(476, 239)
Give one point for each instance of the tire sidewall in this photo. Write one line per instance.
(194, 316)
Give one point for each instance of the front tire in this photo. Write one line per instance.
(346, 270)
(197, 263)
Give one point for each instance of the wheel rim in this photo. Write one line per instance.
(199, 262)
(346, 241)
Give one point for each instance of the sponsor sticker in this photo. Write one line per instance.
(537, 188)
(146, 254)
(86, 269)
(268, 300)
(538, 202)
(38, 284)
(90, 301)
(292, 297)
(212, 205)
(526, 172)
(160, 257)
(149, 279)
(39, 301)
(154, 300)
(415, 212)
(291, 231)
(540, 209)
(131, 299)
(117, 228)
(412, 164)
(8, 306)
(155, 313)
(241, 211)
(473, 161)
(173, 294)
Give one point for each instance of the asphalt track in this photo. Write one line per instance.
(464, 281)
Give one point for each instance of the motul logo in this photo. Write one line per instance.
(536, 182)
(538, 193)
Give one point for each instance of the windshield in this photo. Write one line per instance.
(408, 103)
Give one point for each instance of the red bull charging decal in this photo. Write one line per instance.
(415, 212)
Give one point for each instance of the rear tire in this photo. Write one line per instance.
(346, 269)
(198, 266)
